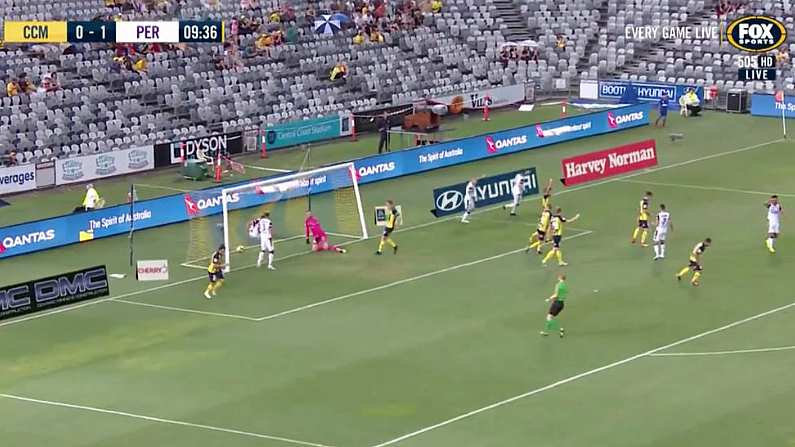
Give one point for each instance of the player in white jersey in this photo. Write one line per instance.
(265, 231)
(470, 196)
(662, 225)
(774, 211)
(517, 189)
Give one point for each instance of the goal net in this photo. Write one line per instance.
(330, 193)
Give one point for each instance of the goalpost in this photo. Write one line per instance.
(331, 193)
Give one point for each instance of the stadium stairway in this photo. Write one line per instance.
(512, 17)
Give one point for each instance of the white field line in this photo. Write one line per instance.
(708, 353)
(404, 281)
(182, 309)
(261, 168)
(408, 228)
(708, 188)
(346, 235)
(161, 420)
(167, 188)
(579, 376)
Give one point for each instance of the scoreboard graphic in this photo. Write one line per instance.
(183, 31)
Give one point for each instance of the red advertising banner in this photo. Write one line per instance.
(609, 162)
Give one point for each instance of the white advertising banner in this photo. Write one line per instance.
(493, 97)
(107, 164)
(152, 270)
(17, 179)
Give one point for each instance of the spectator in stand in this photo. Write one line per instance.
(358, 39)
(11, 158)
(782, 57)
(141, 65)
(436, 6)
(12, 88)
(277, 36)
(234, 30)
(275, 17)
(339, 72)
(25, 86)
(263, 43)
(50, 83)
(376, 36)
(561, 42)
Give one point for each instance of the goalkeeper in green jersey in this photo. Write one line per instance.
(558, 300)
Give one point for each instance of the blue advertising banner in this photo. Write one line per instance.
(766, 105)
(73, 228)
(647, 91)
(300, 132)
(489, 191)
(449, 153)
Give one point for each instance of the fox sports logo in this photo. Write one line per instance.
(449, 200)
(756, 34)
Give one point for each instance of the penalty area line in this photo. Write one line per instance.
(161, 420)
(582, 375)
(404, 281)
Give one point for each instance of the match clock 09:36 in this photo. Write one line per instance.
(201, 31)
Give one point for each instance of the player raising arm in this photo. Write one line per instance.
(215, 271)
(546, 198)
(557, 236)
(317, 236)
(695, 262)
(774, 211)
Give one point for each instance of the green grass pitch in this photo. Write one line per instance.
(436, 346)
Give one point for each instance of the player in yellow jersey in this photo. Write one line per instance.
(556, 225)
(215, 271)
(643, 220)
(537, 239)
(695, 262)
(545, 199)
(391, 225)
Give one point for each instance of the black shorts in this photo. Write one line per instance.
(556, 307)
(216, 276)
(388, 231)
(556, 240)
(643, 224)
(541, 234)
(695, 266)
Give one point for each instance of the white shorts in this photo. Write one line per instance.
(517, 197)
(469, 205)
(659, 235)
(773, 226)
(266, 244)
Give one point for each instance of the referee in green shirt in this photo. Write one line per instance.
(558, 300)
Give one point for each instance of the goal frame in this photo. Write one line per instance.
(226, 192)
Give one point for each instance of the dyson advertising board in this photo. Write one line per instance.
(73, 228)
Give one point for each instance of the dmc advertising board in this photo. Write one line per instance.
(54, 291)
(766, 105)
(106, 164)
(80, 227)
(17, 179)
